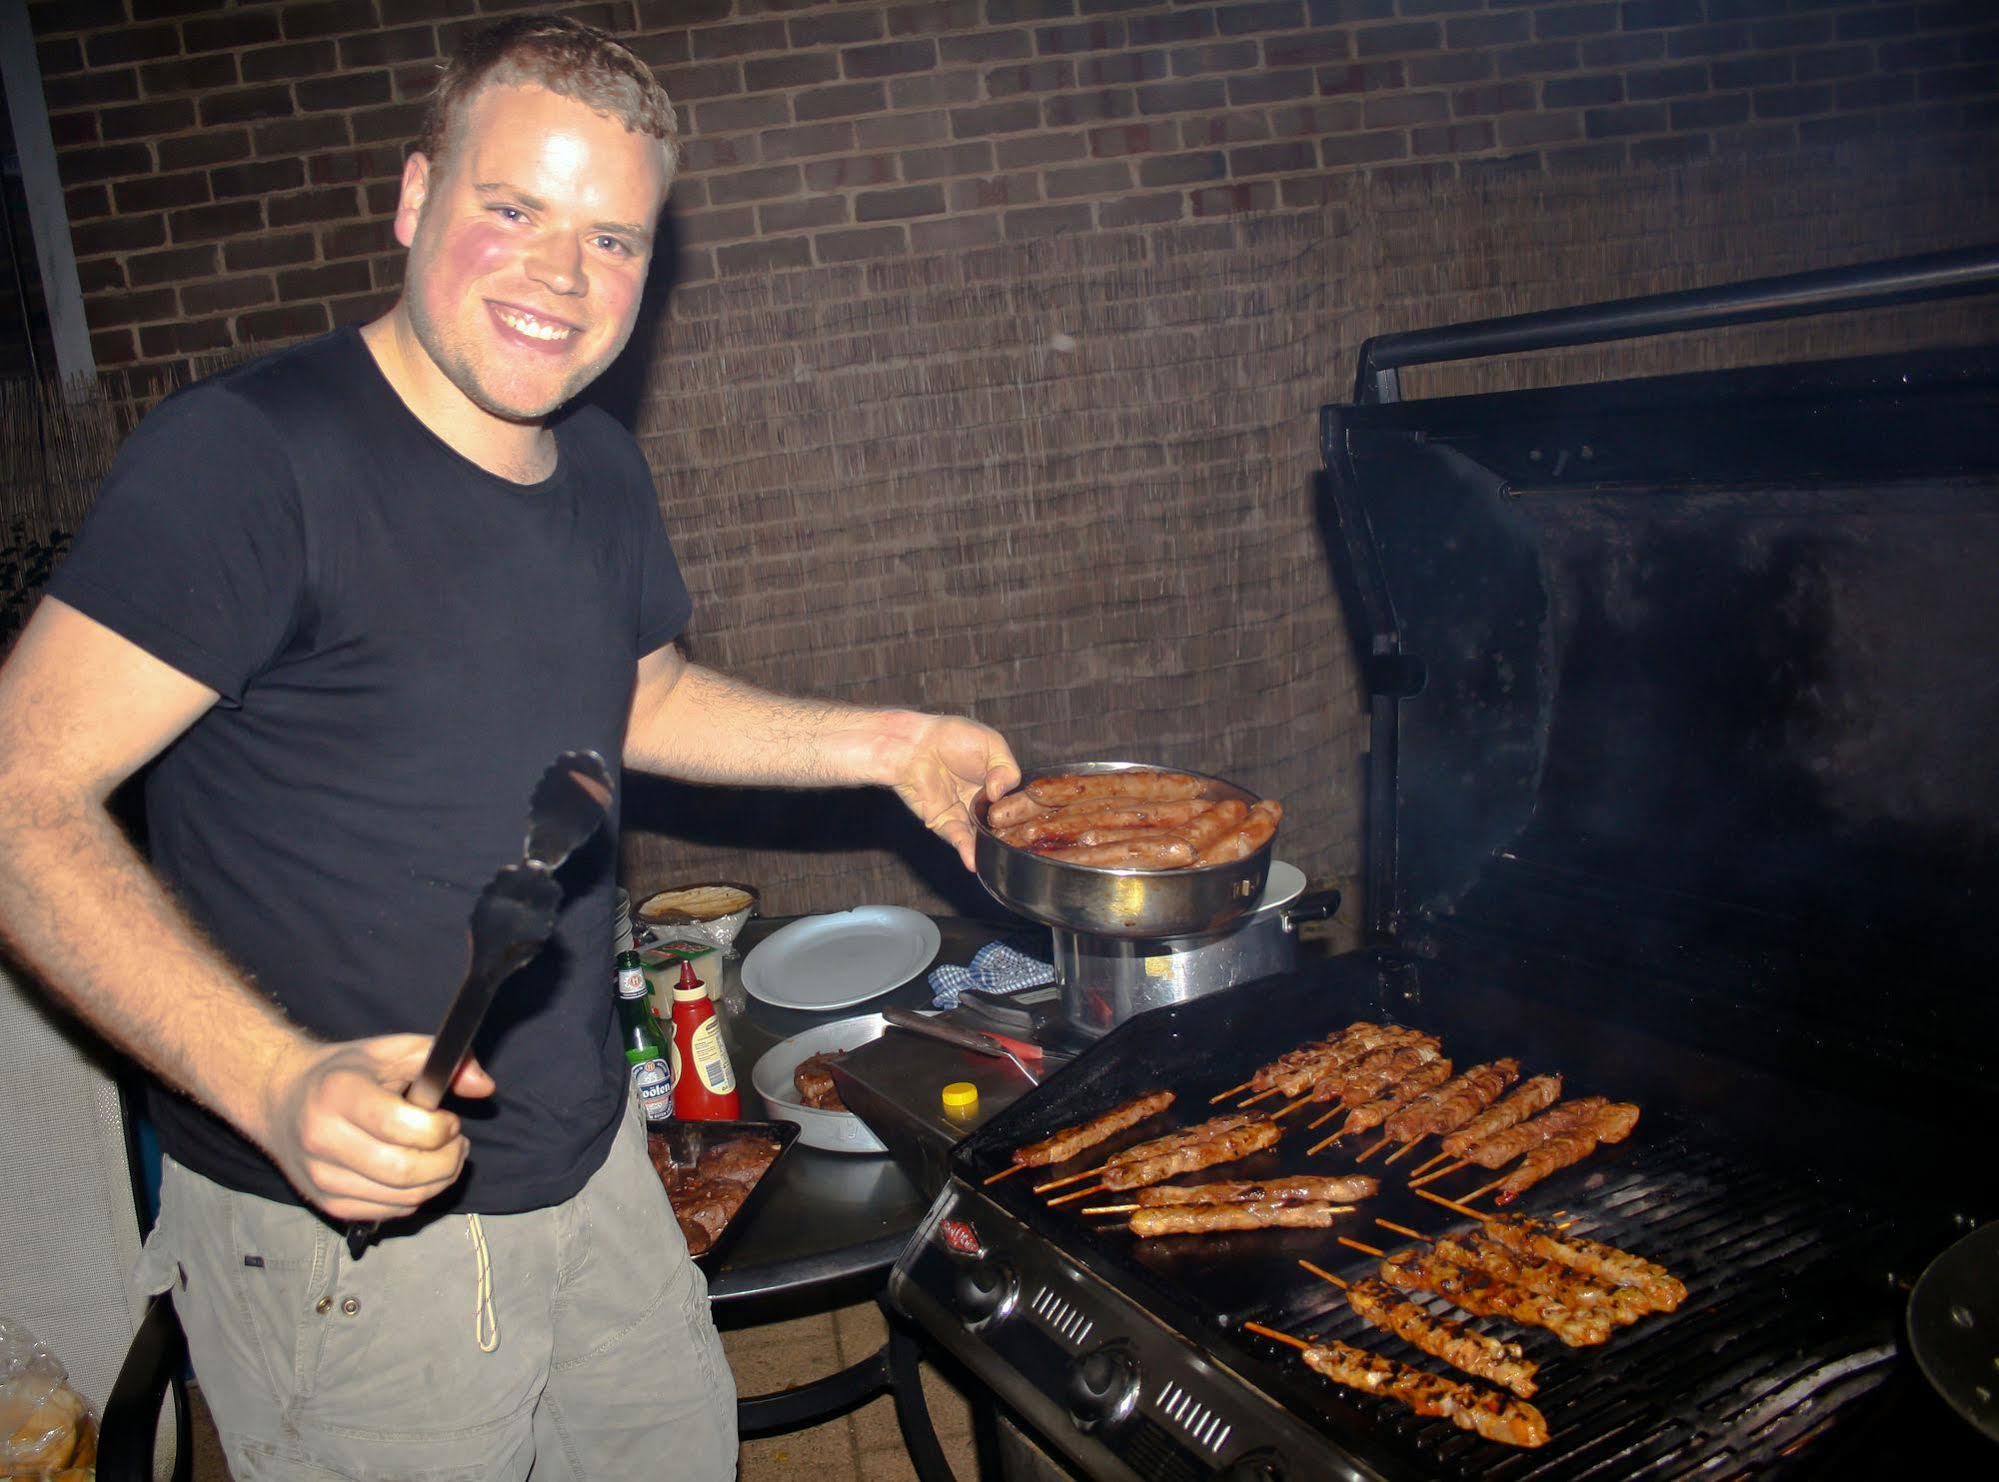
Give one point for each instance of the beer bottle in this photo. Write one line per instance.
(645, 1052)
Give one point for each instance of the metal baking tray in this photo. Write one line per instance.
(686, 1140)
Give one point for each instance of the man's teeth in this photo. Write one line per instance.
(527, 324)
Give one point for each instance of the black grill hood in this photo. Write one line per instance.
(1693, 682)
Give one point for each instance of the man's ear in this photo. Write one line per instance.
(416, 190)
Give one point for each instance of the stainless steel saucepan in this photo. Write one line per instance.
(1135, 905)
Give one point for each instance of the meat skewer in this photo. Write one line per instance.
(1622, 1305)
(1611, 1123)
(1295, 1070)
(1371, 1114)
(1482, 1294)
(1191, 1156)
(1454, 1103)
(1069, 1141)
(1297, 1186)
(1208, 1219)
(1213, 1127)
(1533, 1238)
(1528, 1099)
(1440, 1337)
(1483, 1412)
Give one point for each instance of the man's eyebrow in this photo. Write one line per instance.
(639, 234)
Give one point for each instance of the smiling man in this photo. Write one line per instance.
(349, 600)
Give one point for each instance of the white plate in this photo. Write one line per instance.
(834, 1131)
(834, 962)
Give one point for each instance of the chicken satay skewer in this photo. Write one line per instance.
(1406, 1149)
(1441, 1337)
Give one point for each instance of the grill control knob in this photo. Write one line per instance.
(985, 1291)
(1259, 1466)
(1103, 1386)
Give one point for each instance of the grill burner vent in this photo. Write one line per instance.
(1208, 1429)
(1061, 1318)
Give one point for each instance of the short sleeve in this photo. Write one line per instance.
(194, 549)
(664, 602)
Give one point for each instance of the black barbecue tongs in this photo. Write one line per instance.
(511, 922)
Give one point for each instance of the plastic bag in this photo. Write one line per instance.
(47, 1429)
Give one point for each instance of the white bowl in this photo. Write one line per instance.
(831, 1131)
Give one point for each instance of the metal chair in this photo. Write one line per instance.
(70, 1230)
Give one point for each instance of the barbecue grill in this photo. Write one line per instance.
(1679, 783)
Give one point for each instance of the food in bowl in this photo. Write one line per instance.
(1136, 819)
(694, 903)
(814, 1082)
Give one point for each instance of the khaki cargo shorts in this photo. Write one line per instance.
(573, 1341)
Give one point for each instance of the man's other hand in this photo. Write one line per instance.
(945, 762)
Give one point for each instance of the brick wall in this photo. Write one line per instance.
(230, 169)
(987, 381)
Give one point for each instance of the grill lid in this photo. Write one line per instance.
(1693, 678)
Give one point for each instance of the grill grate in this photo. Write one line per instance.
(1788, 1318)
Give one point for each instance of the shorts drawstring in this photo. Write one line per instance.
(485, 1324)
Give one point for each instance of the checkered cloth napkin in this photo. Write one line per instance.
(995, 968)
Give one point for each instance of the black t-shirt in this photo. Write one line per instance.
(402, 643)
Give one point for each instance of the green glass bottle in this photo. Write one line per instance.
(645, 1051)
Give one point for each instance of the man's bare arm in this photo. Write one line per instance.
(702, 726)
(81, 709)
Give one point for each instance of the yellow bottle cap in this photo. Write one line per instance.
(961, 1097)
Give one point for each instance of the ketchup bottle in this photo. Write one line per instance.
(704, 1087)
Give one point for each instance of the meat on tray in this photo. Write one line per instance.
(1484, 1412)
(1142, 819)
(1441, 1337)
(1069, 1141)
(1259, 1214)
(1612, 1123)
(1530, 1097)
(1453, 1103)
(1540, 1241)
(814, 1082)
(1199, 1147)
(706, 1196)
(1338, 1190)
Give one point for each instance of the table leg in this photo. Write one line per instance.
(904, 1355)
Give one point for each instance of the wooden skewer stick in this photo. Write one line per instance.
(1318, 1122)
(1259, 1096)
(1366, 1250)
(1452, 1204)
(1484, 1189)
(1074, 1178)
(1445, 1172)
(1256, 1327)
(1373, 1150)
(1324, 1142)
(1285, 1111)
(1225, 1095)
(1110, 1209)
(1075, 1194)
(1402, 1230)
(1324, 1275)
(1007, 1172)
(1404, 1151)
(1427, 1163)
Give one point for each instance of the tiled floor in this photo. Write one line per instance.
(864, 1445)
